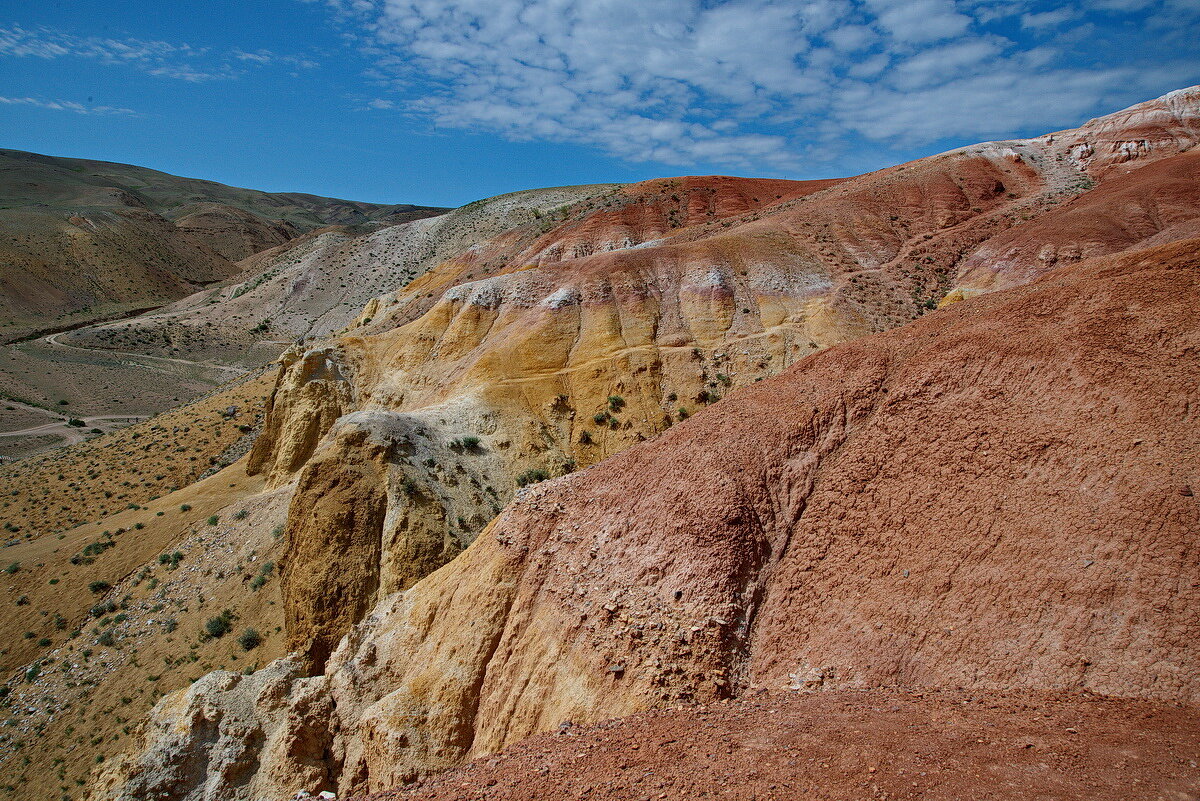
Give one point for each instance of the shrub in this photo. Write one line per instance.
(220, 625)
(106, 639)
(585, 438)
(249, 640)
(616, 403)
(98, 587)
(212, 521)
(13, 568)
(465, 443)
(100, 610)
(532, 477)
(600, 419)
(185, 507)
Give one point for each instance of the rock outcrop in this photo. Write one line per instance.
(587, 327)
(997, 496)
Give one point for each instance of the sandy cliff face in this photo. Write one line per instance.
(936, 506)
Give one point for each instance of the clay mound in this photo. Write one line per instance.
(1150, 205)
(839, 745)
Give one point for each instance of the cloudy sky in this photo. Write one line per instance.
(447, 101)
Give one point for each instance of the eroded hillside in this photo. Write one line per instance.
(935, 506)
(529, 337)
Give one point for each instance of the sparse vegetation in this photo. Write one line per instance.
(249, 639)
(532, 477)
(220, 625)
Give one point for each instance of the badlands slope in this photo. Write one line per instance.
(998, 497)
(686, 564)
(927, 480)
(84, 239)
(605, 327)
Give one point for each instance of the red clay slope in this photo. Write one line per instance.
(998, 496)
(850, 745)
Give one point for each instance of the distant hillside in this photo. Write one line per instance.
(81, 240)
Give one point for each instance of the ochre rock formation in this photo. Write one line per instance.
(588, 327)
(997, 496)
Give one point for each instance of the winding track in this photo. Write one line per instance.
(58, 424)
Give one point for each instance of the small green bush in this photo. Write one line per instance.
(212, 521)
(249, 640)
(13, 568)
(220, 625)
(185, 507)
(532, 477)
(98, 587)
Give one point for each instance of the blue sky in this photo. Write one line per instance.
(445, 101)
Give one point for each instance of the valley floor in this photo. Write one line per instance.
(45, 383)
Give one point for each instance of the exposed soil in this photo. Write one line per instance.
(850, 745)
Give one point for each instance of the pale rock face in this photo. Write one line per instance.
(229, 736)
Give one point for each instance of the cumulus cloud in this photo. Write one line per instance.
(65, 105)
(180, 61)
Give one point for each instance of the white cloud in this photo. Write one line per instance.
(180, 61)
(751, 84)
(1048, 19)
(920, 20)
(65, 105)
